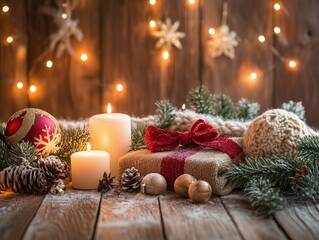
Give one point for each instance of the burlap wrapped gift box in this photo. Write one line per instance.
(202, 163)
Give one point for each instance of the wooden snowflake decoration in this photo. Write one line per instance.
(223, 42)
(67, 27)
(168, 34)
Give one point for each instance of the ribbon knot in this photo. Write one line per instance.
(186, 138)
(201, 134)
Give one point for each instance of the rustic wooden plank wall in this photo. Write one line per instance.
(120, 49)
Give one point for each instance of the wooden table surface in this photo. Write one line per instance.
(92, 215)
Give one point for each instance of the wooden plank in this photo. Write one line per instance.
(183, 219)
(16, 212)
(250, 225)
(299, 40)
(300, 219)
(69, 81)
(13, 60)
(249, 19)
(129, 216)
(70, 216)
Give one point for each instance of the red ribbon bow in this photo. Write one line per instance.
(201, 134)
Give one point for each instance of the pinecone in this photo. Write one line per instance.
(53, 168)
(130, 180)
(23, 179)
(106, 183)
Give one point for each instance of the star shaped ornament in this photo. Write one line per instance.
(223, 42)
(167, 34)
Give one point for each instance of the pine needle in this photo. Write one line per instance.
(223, 106)
(264, 196)
(72, 140)
(296, 108)
(246, 110)
(309, 148)
(279, 171)
(138, 138)
(165, 112)
(20, 151)
(200, 100)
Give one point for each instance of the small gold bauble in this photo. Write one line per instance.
(153, 184)
(200, 191)
(182, 183)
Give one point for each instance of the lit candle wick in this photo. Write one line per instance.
(89, 147)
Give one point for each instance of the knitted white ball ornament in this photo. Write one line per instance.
(276, 132)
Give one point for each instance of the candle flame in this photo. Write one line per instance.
(109, 108)
(89, 147)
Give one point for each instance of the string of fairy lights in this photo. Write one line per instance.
(292, 64)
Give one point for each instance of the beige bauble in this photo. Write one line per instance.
(200, 191)
(276, 132)
(153, 184)
(182, 183)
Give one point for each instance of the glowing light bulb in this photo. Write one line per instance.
(253, 75)
(292, 64)
(277, 30)
(277, 6)
(152, 2)
(19, 85)
(64, 16)
(84, 57)
(152, 24)
(191, 1)
(5, 9)
(9, 39)
(261, 38)
(119, 87)
(33, 88)
(211, 31)
(49, 64)
(183, 106)
(165, 54)
(109, 108)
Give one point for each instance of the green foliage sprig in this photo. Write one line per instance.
(201, 100)
(264, 196)
(275, 175)
(166, 115)
(296, 108)
(72, 140)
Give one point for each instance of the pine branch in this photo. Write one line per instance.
(72, 140)
(4, 151)
(309, 148)
(200, 100)
(246, 110)
(20, 151)
(138, 138)
(279, 171)
(296, 108)
(2, 131)
(308, 186)
(166, 115)
(223, 106)
(264, 196)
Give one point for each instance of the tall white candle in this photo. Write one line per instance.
(87, 168)
(111, 132)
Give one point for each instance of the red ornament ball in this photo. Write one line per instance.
(35, 126)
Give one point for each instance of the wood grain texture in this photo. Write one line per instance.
(129, 216)
(16, 212)
(248, 222)
(249, 19)
(13, 60)
(299, 39)
(300, 219)
(183, 219)
(70, 216)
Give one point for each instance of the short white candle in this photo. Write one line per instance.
(87, 168)
(111, 132)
